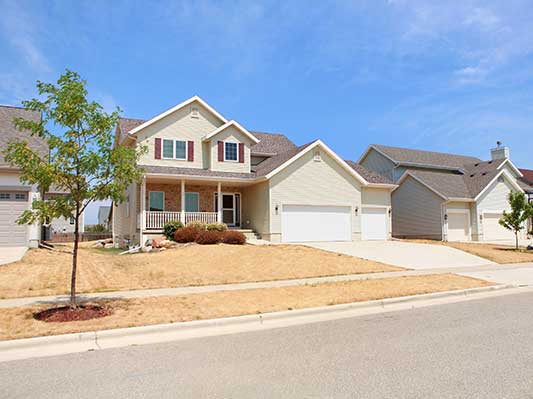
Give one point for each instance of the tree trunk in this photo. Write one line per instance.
(73, 303)
(516, 238)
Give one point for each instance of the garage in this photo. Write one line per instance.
(374, 224)
(458, 226)
(492, 230)
(301, 223)
(12, 204)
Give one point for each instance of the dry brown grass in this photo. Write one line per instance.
(19, 323)
(493, 252)
(42, 272)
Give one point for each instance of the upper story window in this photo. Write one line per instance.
(5, 196)
(174, 149)
(230, 151)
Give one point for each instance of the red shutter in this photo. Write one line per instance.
(241, 153)
(220, 151)
(157, 148)
(190, 151)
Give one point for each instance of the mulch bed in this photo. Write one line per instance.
(66, 313)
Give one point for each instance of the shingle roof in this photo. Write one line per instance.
(127, 124)
(368, 175)
(271, 143)
(428, 158)
(457, 185)
(174, 170)
(527, 181)
(9, 133)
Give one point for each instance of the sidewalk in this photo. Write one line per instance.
(500, 271)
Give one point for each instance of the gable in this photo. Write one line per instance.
(495, 196)
(378, 163)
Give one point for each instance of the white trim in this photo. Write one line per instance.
(330, 152)
(222, 193)
(388, 218)
(457, 210)
(520, 174)
(176, 108)
(493, 211)
(174, 141)
(510, 178)
(229, 124)
(236, 151)
(205, 178)
(150, 206)
(407, 174)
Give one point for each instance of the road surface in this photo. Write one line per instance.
(476, 349)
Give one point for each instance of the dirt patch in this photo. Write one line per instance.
(65, 314)
(493, 252)
(42, 272)
(19, 323)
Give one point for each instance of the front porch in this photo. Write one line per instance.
(187, 201)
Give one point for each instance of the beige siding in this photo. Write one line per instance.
(231, 135)
(376, 197)
(378, 163)
(179, 125)
(495, 198)
(124, 224)
(307, 182)
(255, 208)
(416, 211)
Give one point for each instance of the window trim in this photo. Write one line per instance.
(236, 151)
(174, 141)
(5, 196)
(149, 201)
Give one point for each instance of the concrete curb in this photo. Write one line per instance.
(120, 337)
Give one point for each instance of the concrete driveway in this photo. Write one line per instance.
(404, 254)
(11, 254)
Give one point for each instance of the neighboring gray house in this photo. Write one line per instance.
(16, 197)
(202, 166)
(445, 196)
(103, 216)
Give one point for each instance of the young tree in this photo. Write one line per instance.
(82, 161)
(521, 211)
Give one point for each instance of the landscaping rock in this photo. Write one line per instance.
(148, 248)
(166, 244)
(107, 241)
(108, 245)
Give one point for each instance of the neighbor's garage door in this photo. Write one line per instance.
(12, 204)
(458, 229)
(492, 230)
(301, 223)
(374, 224)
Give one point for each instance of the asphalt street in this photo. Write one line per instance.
(476, 349)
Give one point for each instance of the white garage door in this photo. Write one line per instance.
(492, 230)
(458, 226)
(374, 224)
(12, 204)
(300, 223)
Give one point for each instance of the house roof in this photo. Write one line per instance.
(237, 126)
(9, 133)
(467, 185)
(174, 170)
(426, 158)
(526, 182)
(368, 175)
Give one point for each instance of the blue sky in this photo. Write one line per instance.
(452, 76)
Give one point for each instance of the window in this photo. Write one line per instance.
(230, 151)
(174, 149)
(156, 201)
(192, 203)
(20, 196)
(5, 196)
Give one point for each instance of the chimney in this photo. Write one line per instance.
(500, 152)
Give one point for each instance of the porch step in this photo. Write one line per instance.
(248, 233)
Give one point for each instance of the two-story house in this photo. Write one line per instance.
(445, 196)
(202, 166)
(16, 197)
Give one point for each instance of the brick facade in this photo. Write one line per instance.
(173, 195)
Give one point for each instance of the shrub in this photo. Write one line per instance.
(186, 234)
(170, 228)
(216, 227)
(208, 237)
(233, 237)
(197, 225)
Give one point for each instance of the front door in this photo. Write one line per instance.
(230, 208)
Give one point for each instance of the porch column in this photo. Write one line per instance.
(182, 214)
(143, 211)
(219, 202)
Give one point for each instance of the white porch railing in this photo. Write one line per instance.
(204, 217)
(156, 220)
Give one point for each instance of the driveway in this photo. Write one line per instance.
(11, 254)
(404, 254)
